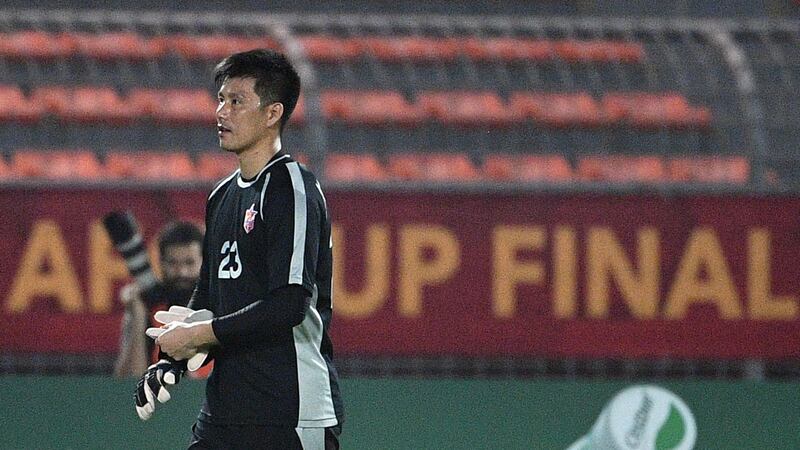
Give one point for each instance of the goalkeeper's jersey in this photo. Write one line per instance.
(261, 235)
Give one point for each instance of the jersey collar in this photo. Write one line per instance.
(281, 155)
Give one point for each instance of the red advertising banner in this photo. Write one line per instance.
(470, 274)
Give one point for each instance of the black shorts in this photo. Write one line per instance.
(233, 437)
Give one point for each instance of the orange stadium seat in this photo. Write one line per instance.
(36, 44)
(57, 165)
(96, 104)
(558, 109)
(711, 169)
(369, 108)
(324, 48)
(14, 106)
(657, 111)
(216, 47)
(215, 165)
(654, 110)
(150, 166)
(415, 48)
(189, 106)
(354, 167)
(527, 168)
(699, 117)
(508, 49)
(52, 99)
(467, 108)
(432, 167)
(123, 45)
(622, 169)
(599, 51)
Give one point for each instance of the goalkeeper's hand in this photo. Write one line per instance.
(186, 315)
(153, 384)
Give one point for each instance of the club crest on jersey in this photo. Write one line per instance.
(250, 218)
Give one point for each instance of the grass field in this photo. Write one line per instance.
(96, 412)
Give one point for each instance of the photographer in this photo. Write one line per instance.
(180, 255)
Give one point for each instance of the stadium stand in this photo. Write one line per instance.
(625, 88)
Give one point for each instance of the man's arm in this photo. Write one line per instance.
(284, 309)
(132, 359)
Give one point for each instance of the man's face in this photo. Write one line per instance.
(241, 121)
(180, 264)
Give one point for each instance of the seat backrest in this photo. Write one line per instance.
(354, 167)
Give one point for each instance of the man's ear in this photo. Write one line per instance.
(275, 112)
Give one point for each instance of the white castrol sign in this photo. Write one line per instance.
(642, 418)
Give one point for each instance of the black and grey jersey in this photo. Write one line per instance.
(263, 235)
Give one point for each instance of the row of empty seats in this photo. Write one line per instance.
(537, 168)
(363, 167)
(637, 109)
(104, 104)
(318, 47)
(370, 108)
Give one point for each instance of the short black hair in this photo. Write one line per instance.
(178, 233)
(276, 78)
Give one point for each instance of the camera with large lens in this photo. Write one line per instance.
(128, 241)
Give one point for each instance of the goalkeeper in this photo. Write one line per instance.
(265, 277)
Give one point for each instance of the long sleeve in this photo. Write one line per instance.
(284, 309)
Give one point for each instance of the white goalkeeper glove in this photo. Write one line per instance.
(153, 384)
(186, 315)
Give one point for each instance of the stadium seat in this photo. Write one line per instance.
(184, 106)
(353, 167)
(14, 106)
(654, 110)
(712, 169)
(413, 48)
(150, 166)
(558, 109)
(369, 108)
(96, 104)
(432, 167)
(215, 165)
(598, 51)
(465, 108)
(123, 45)
(215, 47)
(57, 165)
(508, 49)
(527, 168)
(621, 169)
(324, 48)
(36, 44)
